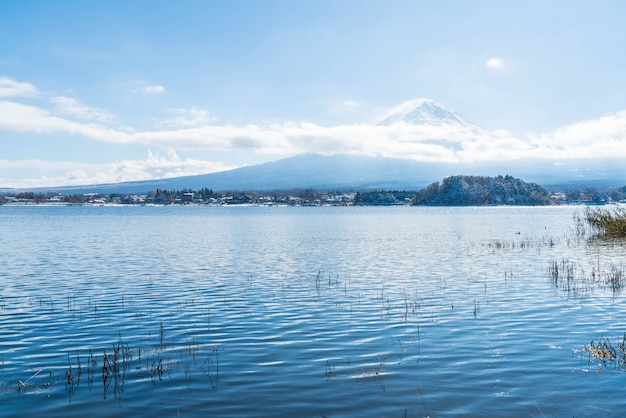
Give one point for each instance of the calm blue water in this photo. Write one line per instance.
(336, 312)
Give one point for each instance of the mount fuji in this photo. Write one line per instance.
(429, 113)
(343, 171)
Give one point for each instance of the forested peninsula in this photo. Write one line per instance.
(479, 190)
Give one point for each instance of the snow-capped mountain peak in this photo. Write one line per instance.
(425, 112)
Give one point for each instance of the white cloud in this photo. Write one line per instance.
(188, 117)
(72, 107)
(60, 173)
(350, 104)
(157, 166)
(153, 89)
(605, 136)
(12, 88)
(347, 105)
(25, 118)
(495, 63)
(602, 137)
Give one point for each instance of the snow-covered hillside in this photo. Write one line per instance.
(426, 112)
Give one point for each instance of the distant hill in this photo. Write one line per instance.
(479, 190)
(315, 171)
(351, 172)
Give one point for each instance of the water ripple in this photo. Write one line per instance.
(306, 312)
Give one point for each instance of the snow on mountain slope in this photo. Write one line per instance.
(426, 112)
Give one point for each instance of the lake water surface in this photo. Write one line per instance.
(326, 311)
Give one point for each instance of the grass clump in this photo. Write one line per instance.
(607, 353)
(571, 277)
(607, 223)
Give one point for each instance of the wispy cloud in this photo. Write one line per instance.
(72, 107)
(604, 136)
(188, 117)
(161, 166)
(344, 106)
(59, 173)
(12, 88)
(153, 89)
(347, 104)
(26, 118)
(495, 63)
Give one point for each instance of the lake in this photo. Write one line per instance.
(300, 311)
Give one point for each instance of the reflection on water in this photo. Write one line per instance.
(306, 311)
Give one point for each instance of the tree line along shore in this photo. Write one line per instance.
(451, 191)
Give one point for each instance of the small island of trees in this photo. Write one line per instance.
(479, 190)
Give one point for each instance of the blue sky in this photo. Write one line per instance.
(95, 91)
